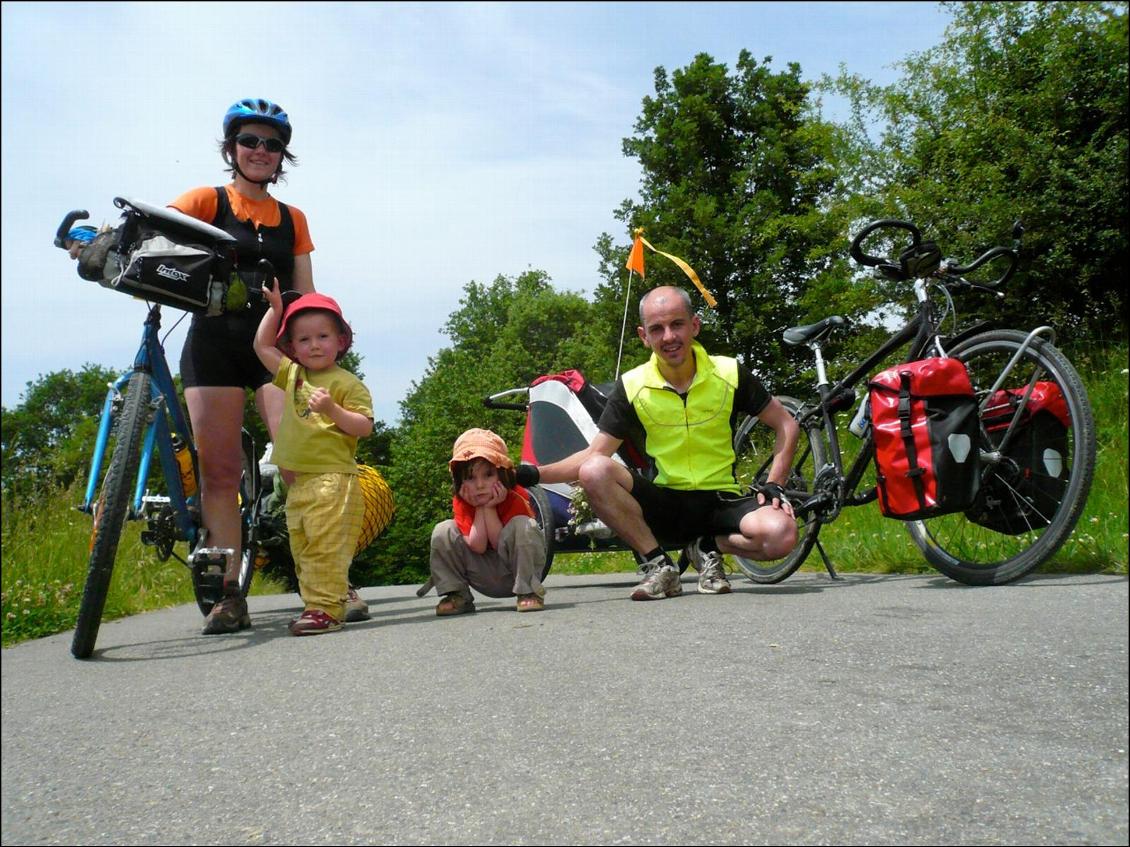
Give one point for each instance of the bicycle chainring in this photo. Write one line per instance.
(828, 481)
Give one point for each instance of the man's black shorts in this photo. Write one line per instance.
(679, 517)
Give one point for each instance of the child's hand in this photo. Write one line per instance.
(273, 295)
(497, 494)
(321, 401)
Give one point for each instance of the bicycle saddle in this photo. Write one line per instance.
(814, 332)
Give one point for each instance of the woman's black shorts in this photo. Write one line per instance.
(218, 352)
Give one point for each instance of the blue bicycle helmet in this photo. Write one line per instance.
(257, 111)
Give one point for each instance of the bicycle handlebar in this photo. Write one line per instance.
(904, 267)
(65, 226)
(887, 223)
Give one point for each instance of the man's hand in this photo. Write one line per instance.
(774, 494)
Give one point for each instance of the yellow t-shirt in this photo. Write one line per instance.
(308, 442)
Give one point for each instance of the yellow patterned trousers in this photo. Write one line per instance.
(324, 513)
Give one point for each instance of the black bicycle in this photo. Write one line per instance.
(1034, 482)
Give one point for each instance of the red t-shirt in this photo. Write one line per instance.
(517, 503)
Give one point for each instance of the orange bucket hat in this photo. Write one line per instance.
(480, 444)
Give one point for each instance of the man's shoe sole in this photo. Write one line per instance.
(723, 590)
(643, 595)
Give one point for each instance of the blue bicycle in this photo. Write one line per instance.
(142, 415)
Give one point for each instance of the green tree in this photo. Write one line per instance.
(737, 173)
(1019, 113)
(47, 437)
(503, 336)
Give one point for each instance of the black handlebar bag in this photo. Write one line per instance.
(173, 259)
(926, 430)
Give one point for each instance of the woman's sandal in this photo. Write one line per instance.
(530, 603)
(455, 603)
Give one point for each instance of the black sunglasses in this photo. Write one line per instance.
(250, 140)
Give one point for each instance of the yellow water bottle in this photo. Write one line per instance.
(184, 460)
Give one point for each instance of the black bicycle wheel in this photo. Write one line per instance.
(543, 514)
(1029, 501)
(753, 446)
(110, 512)
(209, 587)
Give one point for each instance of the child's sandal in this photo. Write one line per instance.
(530, 603)
(455, 603)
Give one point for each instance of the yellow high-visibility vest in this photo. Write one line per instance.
(691, 441)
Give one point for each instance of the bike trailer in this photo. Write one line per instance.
(173, 259)
(926, 429)
(560, 420)
(1031, 481)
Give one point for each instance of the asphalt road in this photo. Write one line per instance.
(875, 710)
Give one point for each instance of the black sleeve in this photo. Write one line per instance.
(618, 419)
(751, 396)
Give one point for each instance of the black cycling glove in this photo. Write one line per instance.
(773, 491)
(527, 475)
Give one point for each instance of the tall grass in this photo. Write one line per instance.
(45, 556)
(45, 544)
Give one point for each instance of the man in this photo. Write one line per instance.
(687, 404)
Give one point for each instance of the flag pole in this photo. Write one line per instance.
(634, 265)
(624, 324)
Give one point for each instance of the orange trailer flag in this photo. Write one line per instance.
(635, 258)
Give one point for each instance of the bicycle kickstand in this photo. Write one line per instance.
(827, 562)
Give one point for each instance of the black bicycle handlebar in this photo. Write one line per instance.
(898, 268)
(888, 223)
(67, 224)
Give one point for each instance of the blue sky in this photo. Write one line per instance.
(438, 143)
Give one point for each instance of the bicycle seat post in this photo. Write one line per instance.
(821, 373)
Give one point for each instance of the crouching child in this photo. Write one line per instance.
(492, 544)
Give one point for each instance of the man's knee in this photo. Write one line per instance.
(772, 531)
(598, 473)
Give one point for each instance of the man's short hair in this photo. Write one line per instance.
(682, 292)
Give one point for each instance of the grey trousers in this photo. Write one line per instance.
(514, 568)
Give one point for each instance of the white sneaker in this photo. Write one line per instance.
(711, 574)
(661, 580)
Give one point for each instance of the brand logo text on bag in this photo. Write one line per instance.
(172, 273)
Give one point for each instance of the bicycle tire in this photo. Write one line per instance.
(752, 444)
(110, 513)
(543, 514)
(974, 554)
(209, 590)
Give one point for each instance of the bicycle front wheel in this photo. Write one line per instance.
(1032, 491)
(753, 447)
(110, 512)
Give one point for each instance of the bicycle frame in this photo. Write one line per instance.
(150, 359)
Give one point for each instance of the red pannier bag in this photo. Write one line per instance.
(926, 430)
(1027, 487)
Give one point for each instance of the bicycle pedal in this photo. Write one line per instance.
(213, 561)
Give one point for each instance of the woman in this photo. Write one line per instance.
(218, 362)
